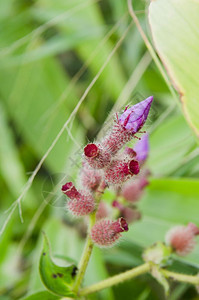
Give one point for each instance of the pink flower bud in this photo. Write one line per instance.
(130, 152)
(134, 117)
(70, 190)
(119, 171)
(181, 238)
(96, 156)
(82, 206)
(81, 203)
(142, 148)
(103, 211)
(129, 214)
(105, 232)
(90, 177)
(132, 191)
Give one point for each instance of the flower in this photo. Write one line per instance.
(106, 232)
(81, 203)
(134, 117)
(96, 156)
(128, 213)
(142, 148)
(181, 238)
(90, 178)
(119, 171)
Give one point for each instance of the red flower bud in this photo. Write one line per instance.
(105, 232)
(181, 238)
(96, 156)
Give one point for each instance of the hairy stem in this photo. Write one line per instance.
(89, 243)
(181, 277)
(115, 279)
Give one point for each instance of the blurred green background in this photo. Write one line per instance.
(50, 51)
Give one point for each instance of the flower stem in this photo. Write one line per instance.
(89, 243)
(181, 277)
(115, 279)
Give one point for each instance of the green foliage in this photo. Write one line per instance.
(174, 27)
(57, 279)
(50, 51)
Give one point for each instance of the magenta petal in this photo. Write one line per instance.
(142, 148)
(134, 118)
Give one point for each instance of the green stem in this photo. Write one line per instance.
(181, 277)
(115, 279)
(85, 256)
(89, 243)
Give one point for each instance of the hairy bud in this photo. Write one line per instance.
(119, 171)
(96, 156)
(81, 203)
(181, 238)
(105, 232)
(90, 177)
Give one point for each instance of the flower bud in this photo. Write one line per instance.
(128, 213)
(81, 203)
(90, 177)
(134, 117)
(181, 238)
(102, 211)
(119, 171)
(132, 191)
(105, 232)
(142, 148)
(96, 156)
(129, 123)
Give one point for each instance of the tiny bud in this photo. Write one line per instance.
(130, 152)
(119, 171)
(158, 254)
(91, 150)
(96, 156)
(81, 203)
(134, 167)
(103, 211)
(134, 117)
(105, 232)
(82, 206)
(70, 190)
(129, 214)
(90, 177)
(132, 191)
(181, 238)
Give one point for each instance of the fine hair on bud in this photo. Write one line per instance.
(81, 203)
(182, 238)
(105, 233)
(96, 156)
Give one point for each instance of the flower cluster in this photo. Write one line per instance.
(105, 164)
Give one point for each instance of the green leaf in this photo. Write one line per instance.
(174, 26)
(44, 295)
(57, 279)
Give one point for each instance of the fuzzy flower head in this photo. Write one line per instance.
(81, 203)
(134, 117)
(105, 233)
(182, 238)
(142, 148)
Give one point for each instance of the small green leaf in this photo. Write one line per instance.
(44, 295)
(57, 279)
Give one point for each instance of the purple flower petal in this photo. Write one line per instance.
(142, 148)
(134, 118)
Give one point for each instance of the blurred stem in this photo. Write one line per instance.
(116, 279)
(89, 243)
(181, 277)
(145, 268)
(152, 51)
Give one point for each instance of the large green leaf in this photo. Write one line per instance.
(44, 295)
(174, 25)
(56, 278)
